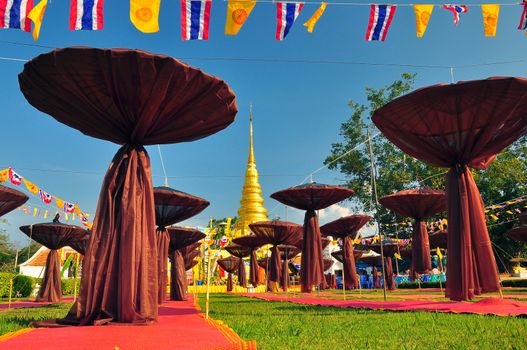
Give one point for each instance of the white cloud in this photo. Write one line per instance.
(333, 212)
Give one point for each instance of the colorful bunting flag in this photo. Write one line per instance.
(456, 10)
(490, 14)
(68, 207)
(13, 14)
(14, 177)
(144, 14)
(523, 19)
(31, 187)
(44, 196)
(86, 14)
(439, 254)
(310, 24)
(4, 175)
(381, 17)
(286, 15)
(36, 15)
(195, 19)
(422, 17)
(237, 14)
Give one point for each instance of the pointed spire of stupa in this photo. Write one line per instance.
(252, 203)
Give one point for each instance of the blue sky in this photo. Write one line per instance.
(298, 107)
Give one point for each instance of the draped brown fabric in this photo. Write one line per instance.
(178, 276)
(518, 234)
(522, 217)
(350, 272)
(375, 275)
(458, 126)
(10, 199)
(230, 265)
(252, 242)
(417, 204)
(263, 263)
(438, 239)
(190, 264)
(273, 269)
(81, 244)
(240, 252)
(311, 197)
(388, 267)
(181, 237)
(163, 241)
(131, 98)
(287, 252)
(53, 236)
(284, 274)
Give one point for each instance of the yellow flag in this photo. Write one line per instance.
(494, 216)
(31, 187)
(237, 14)
(144, 15)
(310, 24)
(37, 15)
(4, 175)
(77, 211)
(34, 211)
(397, 256)
(45, 214)
(490, 18)
(60, 203)
(439, 255)
(422, 16)
(228, 227)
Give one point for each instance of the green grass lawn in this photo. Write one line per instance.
(15, 319)
(282, 325)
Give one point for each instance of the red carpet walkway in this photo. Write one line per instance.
(180, 326)
(28, 303)
(487, 306)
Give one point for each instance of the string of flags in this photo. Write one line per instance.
(69, 209)
(196, 14)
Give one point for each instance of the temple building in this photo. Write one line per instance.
(252, 203)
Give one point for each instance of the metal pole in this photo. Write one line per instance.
(208, 285)
(374, 185)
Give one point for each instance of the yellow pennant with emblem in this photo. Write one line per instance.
(144, 14)
(423, 12)
(31, 187)
(237, 14)
(490, 14)
(4, 175)
(310, 24)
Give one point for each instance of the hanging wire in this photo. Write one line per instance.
(163, 165)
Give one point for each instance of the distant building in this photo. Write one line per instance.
(36, 264)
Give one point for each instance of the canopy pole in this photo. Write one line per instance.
(398, 251)
(208, 285)
(374, 185)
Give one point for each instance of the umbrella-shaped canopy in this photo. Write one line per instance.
(53, 236)
(252, 242)
(190, 263)
(458, 126)
(311, 197)
(406, 252)
(518, 234)
(81, 244)
(357, 254)
(288, 252)
(132, 98)
(175, 206)
(371, 260)
(230, 265)
(324, 240)
(438, 239)
(417, 204)
(10, 199)
(180, 237)
(240, 252)
(388, 248)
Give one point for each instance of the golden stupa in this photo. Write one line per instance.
(252, 203)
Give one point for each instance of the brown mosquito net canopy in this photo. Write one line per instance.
(132, 98)
(171, 207)
(277, 233)
(252, 242)
(240, 252)
(438, 239)
(461, 126)
(518, 234)
(312, 197)
(10, 199)
(53, 236)
(81, 244)
(189, 253)
(287, 252)
(180, 237)
(230, 265)
(346, 228)
(418, 204)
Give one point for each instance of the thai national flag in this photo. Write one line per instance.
(13, 14)
(381, 17)
(69, 207)
(86, 15)
(45, 197)
(523, 19)
(195, 19)
(456, 10)
(286, 14)
(14, 177)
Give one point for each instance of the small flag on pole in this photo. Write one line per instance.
(310, 24)
(422, 17)
(195, 19)
(456, 10)
(13, 14)
(381, 17)
(86, 15)
(286, 15)
(237, 14)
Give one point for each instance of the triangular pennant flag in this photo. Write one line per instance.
(237, 14)
(31, 187)
(310, 24)
(456, 10)
(490, 14)
(286, 15)
(37, 15)
(523, 19)
(195, 19)
(144, 14)
(60, 203)
(4, 175)
(422, 16)
(381, 17)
